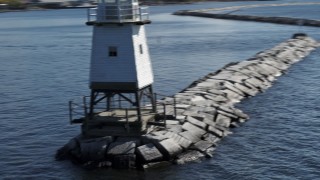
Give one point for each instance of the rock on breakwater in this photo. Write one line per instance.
(201, 114)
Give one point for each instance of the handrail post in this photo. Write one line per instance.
(164, 115)
(155, 102)
(70, 112)
(85, 109)
(127, 121)
(127, 118)
(175, 106)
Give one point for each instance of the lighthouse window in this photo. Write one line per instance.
(141, 49)
(113, 51)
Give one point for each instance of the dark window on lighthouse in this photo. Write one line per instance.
(113, 52)
(141, 49)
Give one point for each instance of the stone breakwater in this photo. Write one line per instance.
(202, 114)
(276, 20)
(208, 13)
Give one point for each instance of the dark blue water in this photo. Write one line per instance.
(45, 60)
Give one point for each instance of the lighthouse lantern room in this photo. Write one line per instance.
(121, 75)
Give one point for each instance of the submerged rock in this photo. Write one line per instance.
(189, 156)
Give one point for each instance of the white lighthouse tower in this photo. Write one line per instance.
(120, 70)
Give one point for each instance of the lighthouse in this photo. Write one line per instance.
(121, 74)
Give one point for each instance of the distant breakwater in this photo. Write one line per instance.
(266, 19)
(277, 20)
(202, 114)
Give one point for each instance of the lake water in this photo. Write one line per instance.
(45, 59)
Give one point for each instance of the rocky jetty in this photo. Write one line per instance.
(201, 115)
(226, 13)
(276, 20)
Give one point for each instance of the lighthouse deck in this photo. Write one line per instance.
(121, 116)
(118, 122)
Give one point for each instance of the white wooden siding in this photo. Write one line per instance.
(143, 63)
(130, 65)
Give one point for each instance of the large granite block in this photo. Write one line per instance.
(222, 120)
(226, 131)
(228, 114)
(174, 128)
(217, 98)
(158, 133)
(189, 156)
(124, 161)
(64, 152)
(169, 148)
(94, 149)
(190, 112)
(172, 122)
(257, 83)
(215, 131)
(193, 129)
(272, 70)
(146, 139)
(120, 148)
(182, 106)
(216, 92)
(202, 146)
(232, 96)
(149, 153)
(209, 121)
(204, 103)
(196, 122)
(209, 110)
(182, 141)
(212, 138)
(191, 137)
(231, 87)
(137, 140)
(196, 99)
(245, 89)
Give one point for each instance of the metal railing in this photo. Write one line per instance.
(118, 14)
(79, 109)
(174, 102)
